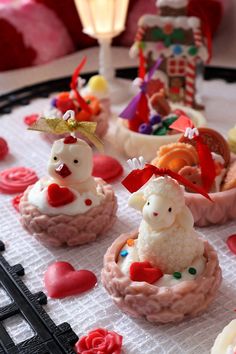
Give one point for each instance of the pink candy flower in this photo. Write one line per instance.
(100, 341)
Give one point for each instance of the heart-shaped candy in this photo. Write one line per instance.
(62, 280)
(143, 271)
(59, 196)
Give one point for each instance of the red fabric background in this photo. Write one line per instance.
(14, 53)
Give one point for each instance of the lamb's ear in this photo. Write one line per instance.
(137, 201)
(185, 218)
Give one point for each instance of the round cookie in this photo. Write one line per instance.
(214, 140)
(106, 167)
(16, 179)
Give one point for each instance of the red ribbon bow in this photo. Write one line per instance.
(206, 162)
(73, 86)
(137, 178)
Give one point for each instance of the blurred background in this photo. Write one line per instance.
(34, 32)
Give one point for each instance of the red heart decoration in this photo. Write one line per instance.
(58, 196)
(61, 280)
(231, 243)
(143, 271)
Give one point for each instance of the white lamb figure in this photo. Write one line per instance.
(71, 164)
(166, 237)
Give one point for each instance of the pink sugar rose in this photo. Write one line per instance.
(100, 341)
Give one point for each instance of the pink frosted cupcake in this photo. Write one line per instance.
(165, 272)
(70, 206)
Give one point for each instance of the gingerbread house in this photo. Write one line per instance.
(177, 38)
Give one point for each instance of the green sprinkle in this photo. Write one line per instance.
(192, 271)
(168, 121)
(160, 131)
(177, 275)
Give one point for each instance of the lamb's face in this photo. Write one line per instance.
(70, 163)
(159, 212)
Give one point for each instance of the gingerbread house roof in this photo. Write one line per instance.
(182, 22)
(194, 49)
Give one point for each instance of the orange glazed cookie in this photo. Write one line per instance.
(175, 156)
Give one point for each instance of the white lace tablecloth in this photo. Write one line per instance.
(95, 308)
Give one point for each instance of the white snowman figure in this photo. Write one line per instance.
(71, 163)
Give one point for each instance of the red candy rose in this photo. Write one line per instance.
(100, 341)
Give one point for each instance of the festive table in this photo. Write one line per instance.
(95, 308)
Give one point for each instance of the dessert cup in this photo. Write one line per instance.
(70, 230)
(220, 210)
(134, 144)
(155, 303)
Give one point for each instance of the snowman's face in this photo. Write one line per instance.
(70, 163)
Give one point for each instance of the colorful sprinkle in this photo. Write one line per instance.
(177, 49)
(54, 102)
(130, 242)
(88, 202)
(193, 51)
(160, 131)
(168, 28)
(145, 128)
(177, 275)
(231, 243)
(124, 253)
(192, 271)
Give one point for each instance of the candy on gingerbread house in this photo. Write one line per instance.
(165, 271)
(178, 39)
(69, 206)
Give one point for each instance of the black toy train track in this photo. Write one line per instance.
(48, 338)
(24, 95)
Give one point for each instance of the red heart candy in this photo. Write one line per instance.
(58, 196)
(61, 280)
(231, 243)
(143, 271)
(31, 119)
